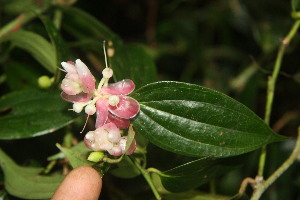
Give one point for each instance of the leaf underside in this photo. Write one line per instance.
(25, 182)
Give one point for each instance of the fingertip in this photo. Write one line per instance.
(82, 183)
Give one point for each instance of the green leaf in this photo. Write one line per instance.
(132, 61)
(36, 45)
(195, 195)
(75, 22)
(295, 5)
(25, 182)
(77, 157)
(196, 121)
(62, 53)
(31, 113)
(125, 169)
(21, 76)
(195, 173)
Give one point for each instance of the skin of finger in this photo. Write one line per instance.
(82, 183)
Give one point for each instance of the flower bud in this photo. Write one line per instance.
(113, 100)
(95, 156)
(107, 73)
(44, 82)
(90, 109)
(78, 106)
(114, 136)
(115, 151)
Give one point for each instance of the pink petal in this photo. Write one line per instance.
(131, 148)
(101, 113)
(70, 87)
(69, 66)
(124, 87)
(110, 127)
(81, 97)
(86, 77)
(119, 122)
(127, 107)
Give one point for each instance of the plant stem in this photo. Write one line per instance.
(271, 87)
(261, 187)
(147, 177)
(57, 18)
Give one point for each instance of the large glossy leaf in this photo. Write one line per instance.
(25, 182)
(36, 45)
(31, 113)
(196, 173)
(134, 62)
(196, 121)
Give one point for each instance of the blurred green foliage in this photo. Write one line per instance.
(229, 46)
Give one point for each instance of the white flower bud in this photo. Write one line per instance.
(115, 151)
(78, 106)
(107, 73)
(90, 109)
(113, 136)
(113, 100)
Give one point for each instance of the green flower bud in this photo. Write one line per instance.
(96, 156)
(45, 82)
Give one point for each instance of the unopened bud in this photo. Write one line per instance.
(78, 106)
(45, 82)
(113, 100)
(107, 73)
(90, 109)
(96, 156)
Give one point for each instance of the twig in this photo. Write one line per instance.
(271, 87)
(147, 177)
(262, 186)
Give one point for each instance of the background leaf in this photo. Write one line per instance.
(31, 113)
(21, 76)
(61, 50)
(196, 121)
(125, 169)
(75, 22)
(36, 45)
(295, 5)
(25, 182)
(196, 173)
(76, 156)
(133, 61)
(195, 195)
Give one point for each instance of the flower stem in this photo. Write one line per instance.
(147, 177)
(261, 187)
(271, 87)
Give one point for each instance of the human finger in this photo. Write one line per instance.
(82, 183)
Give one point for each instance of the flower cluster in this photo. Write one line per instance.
(109, 102)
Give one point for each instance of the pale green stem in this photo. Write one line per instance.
(271, 88)
(57, 18)
(262, 186)
(147, 177)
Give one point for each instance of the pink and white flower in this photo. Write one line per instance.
(108, 101)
